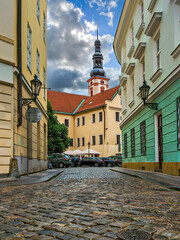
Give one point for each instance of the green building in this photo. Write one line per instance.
(147, 45)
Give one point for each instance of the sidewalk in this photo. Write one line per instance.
(169, 181)
(32, 178)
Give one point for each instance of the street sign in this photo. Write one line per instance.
(33, 115)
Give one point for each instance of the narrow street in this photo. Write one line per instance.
(89, 203)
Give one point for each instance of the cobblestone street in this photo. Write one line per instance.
(89, 203)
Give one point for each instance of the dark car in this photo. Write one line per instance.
(118, 158)
(108, 162)
(91, 161)
(60, 160)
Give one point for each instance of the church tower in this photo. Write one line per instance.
(98, 81)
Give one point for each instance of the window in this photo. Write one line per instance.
(143, 138)
(71, 142)
(178, 122)
(132, 88)
(118, 138)
(100, 139)
(38, 10)
(66, 122)
(93, 118)
(125, 145)
(37, 60)
(29, 47)
(44, 82)
(142, 12)
(100, 116)
(44, 27)
(78, 142)
(132, 142)
(124, 52)
(117, 116)
(78, 122)
(124, 98)
(83, 141)
(132, 35)
(102, 82)
(83, 120)
(158, 52)
(93, 140)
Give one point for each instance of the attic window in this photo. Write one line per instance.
(91, 83)
(90, 102)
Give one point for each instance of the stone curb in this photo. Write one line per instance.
(29, 182)
(148, 179)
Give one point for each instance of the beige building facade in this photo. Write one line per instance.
(93, 119)
(22, 54)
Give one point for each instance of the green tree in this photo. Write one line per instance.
(58, 139)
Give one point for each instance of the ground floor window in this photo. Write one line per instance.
(78, 142)
(132, 142)
(83, 141)
(93, 140)
(178, 122)
(100, 139)
(117, 139)
(143, 138)
(125, 145)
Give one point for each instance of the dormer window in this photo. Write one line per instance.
(102, 82)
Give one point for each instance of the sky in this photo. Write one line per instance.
(71, 32)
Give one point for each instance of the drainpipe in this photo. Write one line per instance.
(19, 64)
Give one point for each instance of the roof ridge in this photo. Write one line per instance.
(67, 93)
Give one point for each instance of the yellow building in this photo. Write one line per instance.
(22, 54)
(94, 118)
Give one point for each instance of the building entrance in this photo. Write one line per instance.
(160, 141)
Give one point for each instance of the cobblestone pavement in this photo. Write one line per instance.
(89, 203)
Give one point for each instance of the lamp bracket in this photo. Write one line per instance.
(27, 101)
(153, 106)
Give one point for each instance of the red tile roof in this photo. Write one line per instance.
(66, 102)
(98, 99)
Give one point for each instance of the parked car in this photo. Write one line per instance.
(108, 162)
(118, 158)
(60, 160)
(91, 161)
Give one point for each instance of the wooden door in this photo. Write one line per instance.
(160, 141)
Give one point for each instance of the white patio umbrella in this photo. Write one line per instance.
(76, 152)
(68, 152)
(90, 151)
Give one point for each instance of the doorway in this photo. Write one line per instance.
(160, 141)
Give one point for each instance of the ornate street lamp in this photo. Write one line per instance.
(144, 92)
(35, 87)
(88, 149)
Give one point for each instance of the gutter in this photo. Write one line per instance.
(19, 53)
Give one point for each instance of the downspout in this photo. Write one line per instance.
(19, 63)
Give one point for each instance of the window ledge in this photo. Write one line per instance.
(156, 75)
(123, 67)
(124, 111)
(139, 94)
(140, 30)
(153, 24)
(139, 50)
(176, 52)
(151, 5)
(123, 81)
(130, 68)
(131, 103)
(131, 51)
(177, 2)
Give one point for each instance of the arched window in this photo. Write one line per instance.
(102, 82)
(91, 83)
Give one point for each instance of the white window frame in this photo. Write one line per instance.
(99, 139)
(94, 142)
(94, 118)
(158, 54)
(99, 117)
(29, 33)
(37, 62)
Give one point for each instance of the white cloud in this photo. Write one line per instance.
(111, 4)
(71, 46)
(110, 16)
(100, 3)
